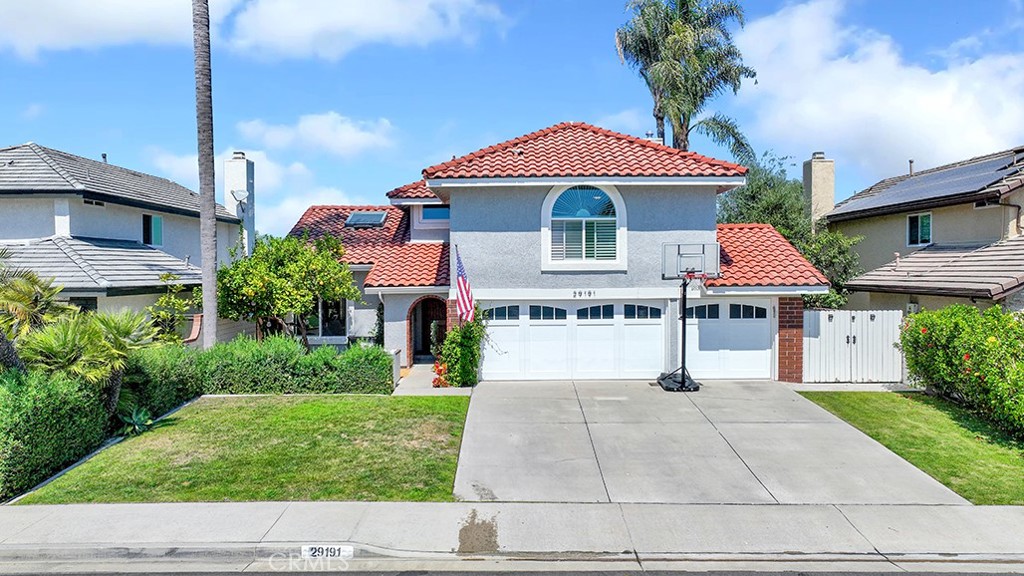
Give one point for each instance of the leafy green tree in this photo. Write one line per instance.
(684, 52)
(768, 197)
(28, 302)
(284, 277)
(771, 197)
(168, 312)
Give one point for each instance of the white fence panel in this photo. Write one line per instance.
(852, 346)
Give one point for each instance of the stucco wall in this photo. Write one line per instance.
(181, 233)
(363, 311)
(884, 235)
(137, 302)
(24, 218)
(396, 311)
(498, 234)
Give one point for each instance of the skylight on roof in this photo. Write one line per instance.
(365, 219)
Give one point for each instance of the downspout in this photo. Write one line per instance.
(1017, 220)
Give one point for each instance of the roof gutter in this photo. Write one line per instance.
(947, 292)
(721, 181)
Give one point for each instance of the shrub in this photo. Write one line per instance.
(161, 378)
(248, 366)
(363, 369)
(975, 358)
(459, 364)
(46, 423)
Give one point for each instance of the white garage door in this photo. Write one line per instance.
(729, 339)
(581, 340)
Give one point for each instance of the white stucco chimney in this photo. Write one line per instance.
(239, 197)
(819, 185)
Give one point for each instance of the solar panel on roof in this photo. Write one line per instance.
(365, 219)
(952, 181)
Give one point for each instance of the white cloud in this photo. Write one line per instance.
(329, 29)
(631, 121)
(825, 85)
(326, 29)
(30, 27)
(32, 111)
(283, 190)
(330, 132)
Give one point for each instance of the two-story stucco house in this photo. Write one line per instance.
(107, 233)
(562, 233)
(950, 234)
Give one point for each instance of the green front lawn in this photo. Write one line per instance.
(954, 446)
(280, 448)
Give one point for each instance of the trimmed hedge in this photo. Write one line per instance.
(975, 358)
(164, 377)
(47, 422)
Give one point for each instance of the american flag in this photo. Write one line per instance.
(465, 297)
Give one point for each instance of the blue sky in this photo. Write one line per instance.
(338, 102)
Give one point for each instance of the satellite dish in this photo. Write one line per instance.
(240, 195)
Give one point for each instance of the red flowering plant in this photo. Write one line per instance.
(440, 380)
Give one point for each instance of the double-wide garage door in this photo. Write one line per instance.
(578, 339)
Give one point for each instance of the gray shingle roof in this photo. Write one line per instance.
(32, 168)
(91, 264)
(986, 176)
(990, 271)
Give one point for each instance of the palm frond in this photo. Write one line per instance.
(724, 131)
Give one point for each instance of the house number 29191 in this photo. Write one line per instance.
(584, 293)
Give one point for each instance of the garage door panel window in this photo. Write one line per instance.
(601, 312)
(547, 313)
(502, 313)
(640, 312)
(704, 311)
(746, 312)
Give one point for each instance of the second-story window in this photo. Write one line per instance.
(919, 229)
(583, 225)
(152, 230)
(436, 212)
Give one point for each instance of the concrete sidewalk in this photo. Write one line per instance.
(512, 536)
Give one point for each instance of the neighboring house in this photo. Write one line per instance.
(935, 237)
(561, 232)
(106, 233)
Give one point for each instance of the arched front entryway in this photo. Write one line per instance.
(425, 312)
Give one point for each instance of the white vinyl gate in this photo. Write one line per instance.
(852, 346)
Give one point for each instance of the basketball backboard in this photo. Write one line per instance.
(680, 260)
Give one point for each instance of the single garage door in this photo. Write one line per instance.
(580, 340)
(729, 339)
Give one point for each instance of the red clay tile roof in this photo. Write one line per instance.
(395, 261)
(417, 190)
(757, 255)
(576, 149)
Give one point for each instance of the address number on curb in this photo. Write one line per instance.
(338, 551)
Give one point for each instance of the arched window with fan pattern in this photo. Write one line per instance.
(583, 225)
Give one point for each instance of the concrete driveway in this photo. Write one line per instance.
(744, 442)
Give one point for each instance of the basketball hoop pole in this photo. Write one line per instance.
(680, 381)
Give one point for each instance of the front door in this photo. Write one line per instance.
(431, 310)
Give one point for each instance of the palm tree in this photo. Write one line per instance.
(641, 44)
(123, 332)
(28, 302)
(8, 355)
(687, 57)
(207, 193)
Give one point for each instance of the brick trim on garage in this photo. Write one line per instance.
(791, 339)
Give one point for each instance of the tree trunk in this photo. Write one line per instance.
(8, 355)
(681, 136)
(113, 392)
(204, 134)
(659, 123)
